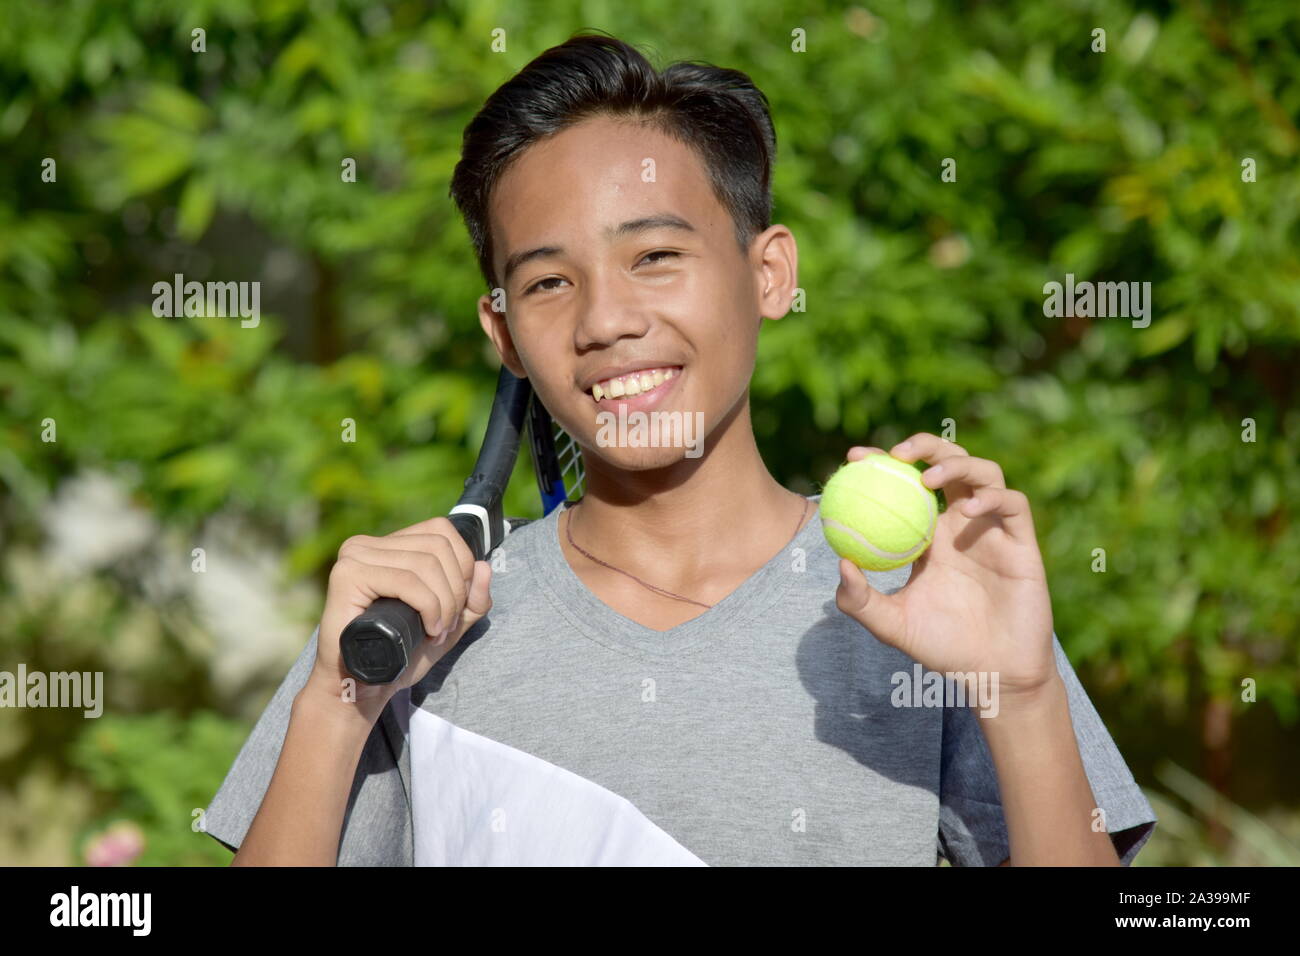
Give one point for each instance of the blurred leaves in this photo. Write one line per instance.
(160, 769)
(1186, 842)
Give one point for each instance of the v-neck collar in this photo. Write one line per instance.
(596, 620)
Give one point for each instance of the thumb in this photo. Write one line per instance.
(878, 613)
(479, 600)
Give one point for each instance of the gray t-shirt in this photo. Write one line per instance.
(763, 731)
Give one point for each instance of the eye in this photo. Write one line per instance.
(541, 282)
(540, 285)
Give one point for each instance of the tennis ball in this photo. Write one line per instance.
(876, 512)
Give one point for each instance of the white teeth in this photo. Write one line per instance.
(634, 383)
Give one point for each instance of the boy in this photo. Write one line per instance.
(664, 677)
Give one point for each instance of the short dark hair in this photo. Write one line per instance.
(718, 112)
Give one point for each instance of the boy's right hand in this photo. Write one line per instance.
(427, 565)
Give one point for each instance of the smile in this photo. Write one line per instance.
(637, 390)
(634, 383)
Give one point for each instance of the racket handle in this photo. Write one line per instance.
(377, 645)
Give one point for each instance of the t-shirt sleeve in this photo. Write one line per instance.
(376, 825)
(972, 828)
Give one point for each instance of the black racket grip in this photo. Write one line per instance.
(377, 645)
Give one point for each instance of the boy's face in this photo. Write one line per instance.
(590, 297)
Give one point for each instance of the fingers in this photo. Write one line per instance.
(975, 472)
(926, 447)
(432, 569)
(959, 474)
(439, 524)
(375, 581)
(453, 546)
(858, 452)
(949, 460)
(442, 525)
(1006, 503)
(431, 557)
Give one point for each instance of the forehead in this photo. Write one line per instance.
(601, 171)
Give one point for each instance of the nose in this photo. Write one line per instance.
(608, 311)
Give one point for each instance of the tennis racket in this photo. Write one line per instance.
(377, 645)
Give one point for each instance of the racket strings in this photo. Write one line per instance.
(569, 456)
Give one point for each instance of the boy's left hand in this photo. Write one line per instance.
(977, 599)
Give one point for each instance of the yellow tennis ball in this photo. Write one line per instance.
(876, 512)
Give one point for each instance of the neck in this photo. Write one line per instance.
(699, 520)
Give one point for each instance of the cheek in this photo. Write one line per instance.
(549, 381)
(698, 298)
(720, 308)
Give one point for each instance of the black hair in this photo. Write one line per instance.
(717, 112)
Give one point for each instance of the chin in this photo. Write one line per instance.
(642, 459)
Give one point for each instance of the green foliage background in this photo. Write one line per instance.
(924, 304)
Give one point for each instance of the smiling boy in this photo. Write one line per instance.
(675, 669)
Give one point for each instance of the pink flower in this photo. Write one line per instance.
(118, 845)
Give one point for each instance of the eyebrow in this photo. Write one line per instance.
(622, 230)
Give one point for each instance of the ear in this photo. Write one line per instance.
(495, 326)
(776, 269)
